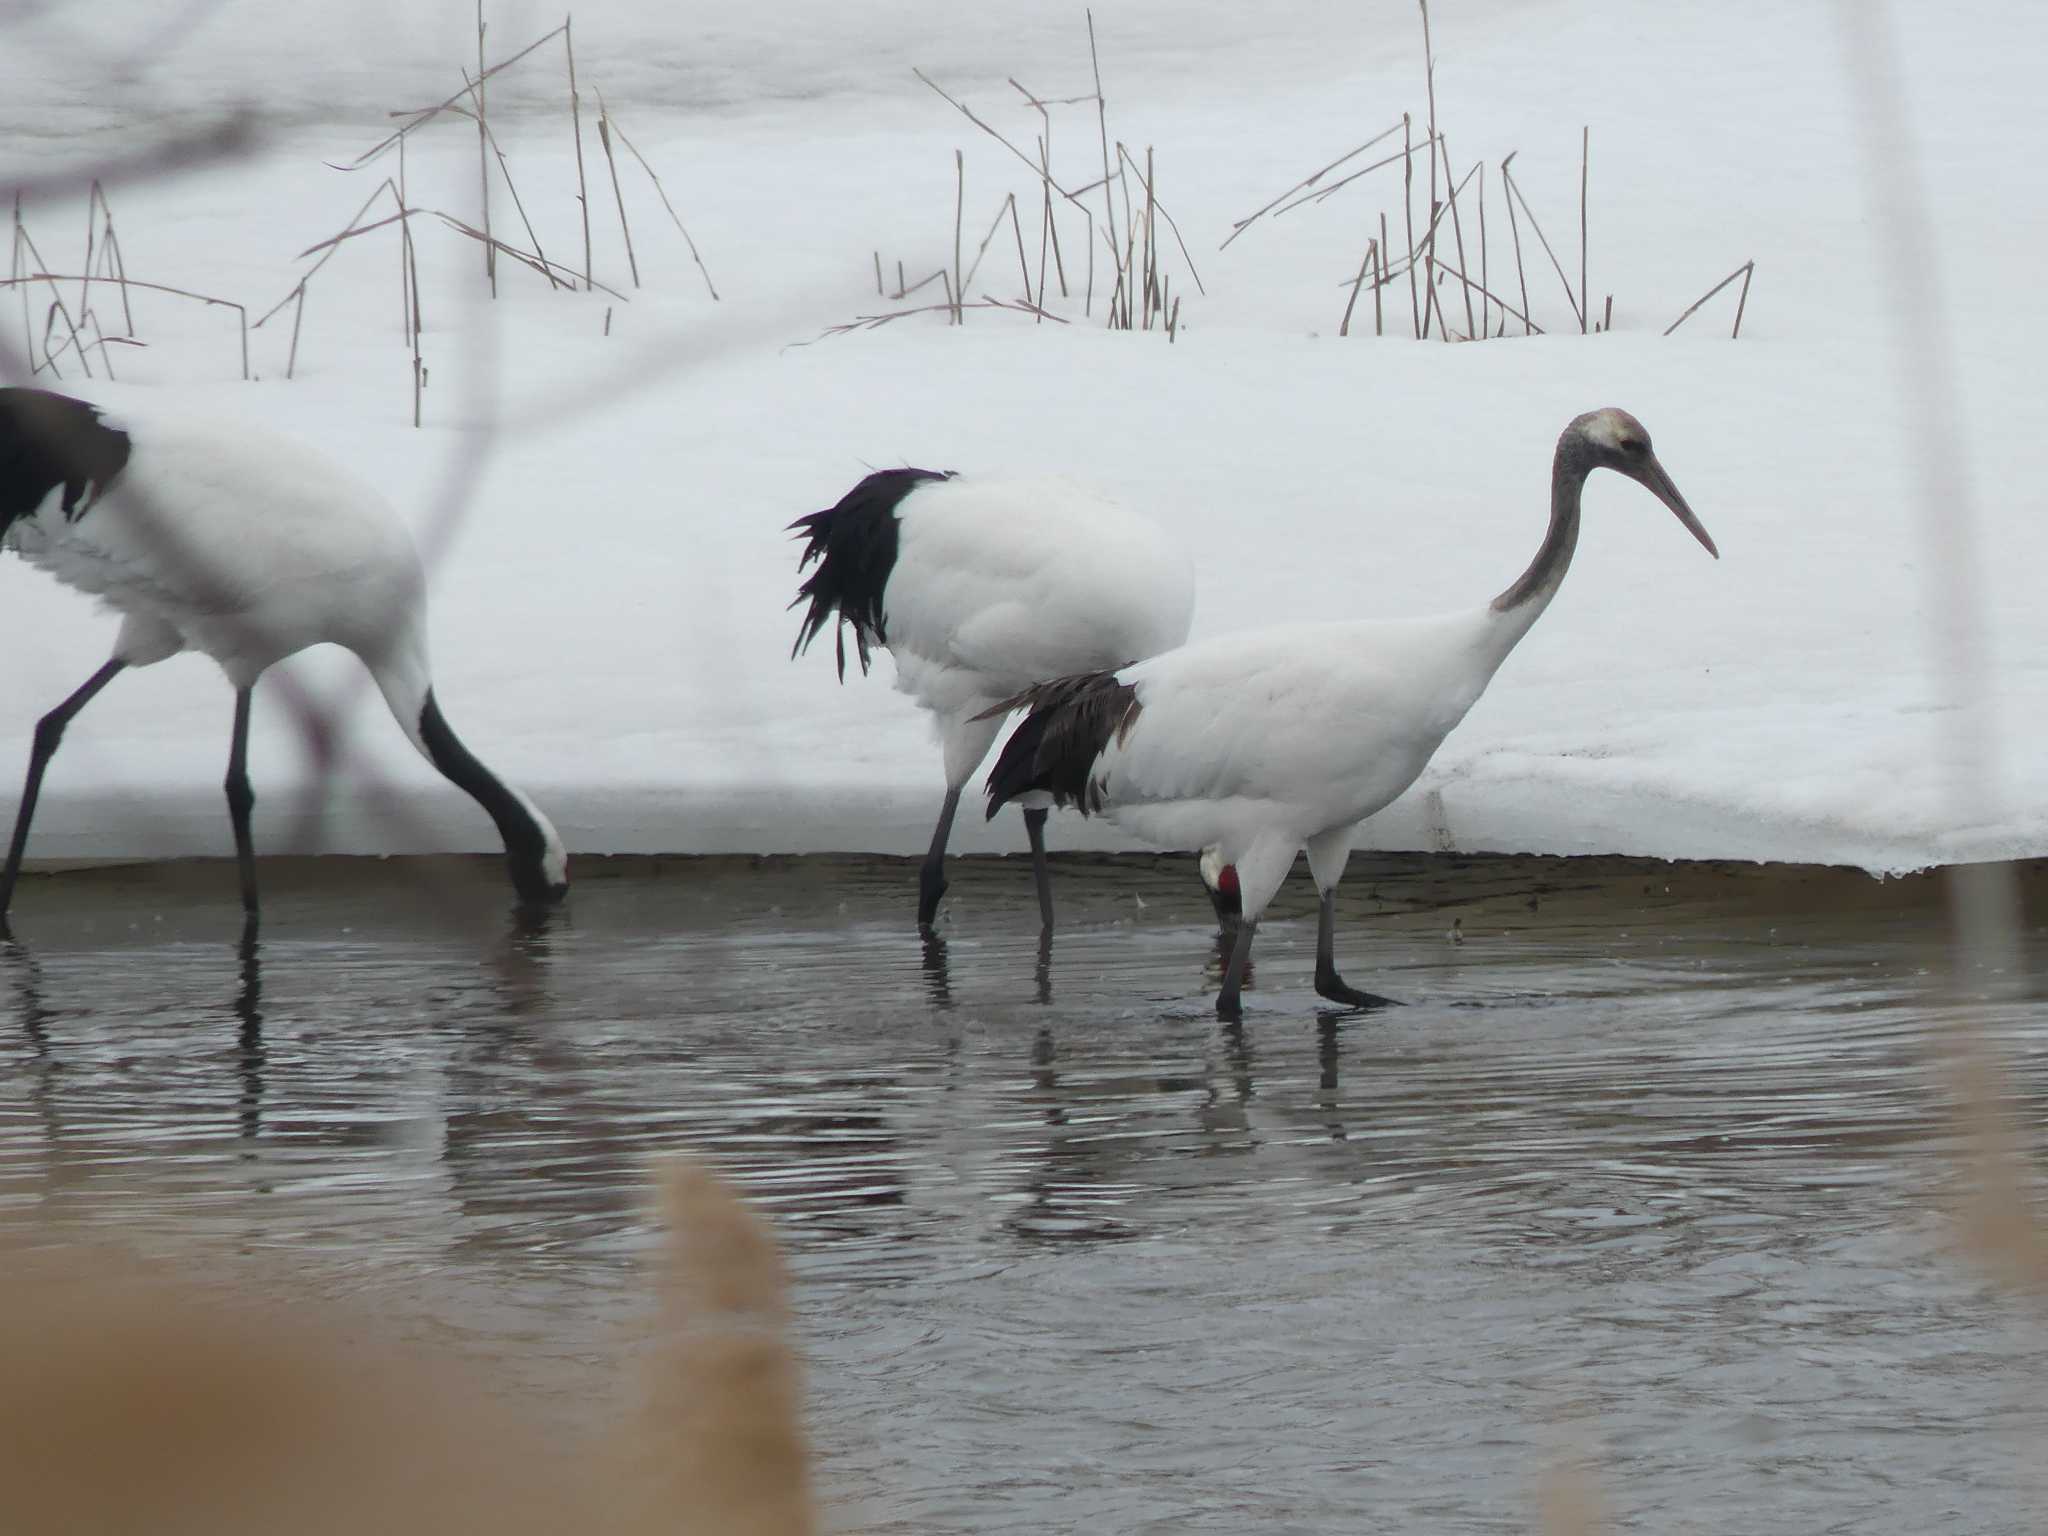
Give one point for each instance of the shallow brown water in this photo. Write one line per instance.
(1656, 1166)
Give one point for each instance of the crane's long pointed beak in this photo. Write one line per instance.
(1661, 487)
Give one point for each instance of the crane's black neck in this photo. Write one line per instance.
(526, 843)
(1539, 583)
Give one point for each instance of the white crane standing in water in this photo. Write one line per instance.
(979, 588)
(1275, 740)
(246, 546)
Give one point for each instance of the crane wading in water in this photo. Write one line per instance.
(216, 537)
(1275, 740)
(979, 588)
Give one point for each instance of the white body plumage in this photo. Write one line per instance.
(221, 538)
(1002, 583)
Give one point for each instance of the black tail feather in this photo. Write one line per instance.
(854, 545)
(1071, 722)
(47, 441)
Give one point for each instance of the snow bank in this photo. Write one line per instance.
(609, 599)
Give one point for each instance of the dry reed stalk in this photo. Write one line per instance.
(1515, 230)
(1486, 306)
(878, 275)
(291, 361)
(1365, 262)
(1515, 191)
(408, 298)
(1429, 85)
(1379, 282)
(1023, 264)
(876, 322)
(604, 137)
(1102, 127)
(676, 218)
(1408, 215)
(1458, 230)
(1324, 194)
(1151, 243)
(483, 157)
(1742, 272)
(58, 308)
(1607, 316)
(967, 112)
(1173, 321)
(116, 262)
(1172, 225)
(1585, 293)
(1245, 223)
(419, 117)
(1506, 308)
(1044, 223)
(518, 203)
(959, 212)
(1008, 206)
(576, 122)
(334, 244)
(528, 259)
(54, 278)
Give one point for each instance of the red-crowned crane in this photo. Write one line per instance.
(980, 587)
(217, 537)
(1276, 740)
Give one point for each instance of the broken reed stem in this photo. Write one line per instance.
(1577, 313)
(878, 275)
(1371, 248)
(604, 137)
(483, 147)
(676, 218)
(1458, 231)
(576, 122)
(1151, 244)
(1306, 182)
(1742, 272)
(965, 111)
(1585, 293)
(1102, 128)
(1515, 229)
(334, 243)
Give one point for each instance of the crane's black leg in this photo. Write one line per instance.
(931, 880)
(49, 732)
(1328, 983)
(241, 799)
(1227, 1004)
(1034, 828)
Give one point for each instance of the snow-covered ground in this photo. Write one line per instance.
(609, 607)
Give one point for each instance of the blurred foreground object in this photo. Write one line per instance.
(136, 1398)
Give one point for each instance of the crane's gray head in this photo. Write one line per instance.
(1613, 439)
